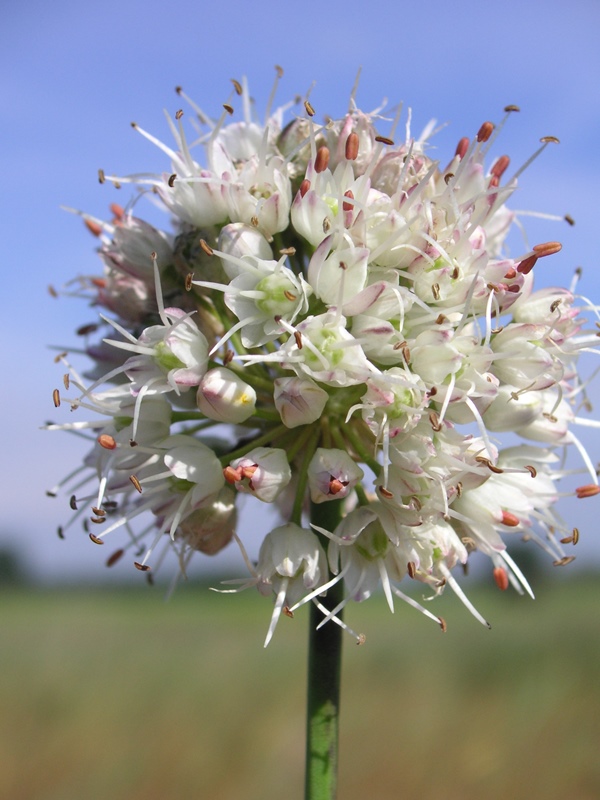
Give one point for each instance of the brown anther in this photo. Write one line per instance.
(228, 358)
(56, 398)
(566, 540)
(589, 490)
(510, 274)
(525, 266)
(150, 579)
(492, 467)
(459, 489)
(448, 177)
(254, 221)
(562, 562)
(554, 306)
(95, 539)
(179, 113)
(554, 139)
(440, 319)
(304, 187)
(462, 147)
(287, 612)
(322, 159)
(228, 108)
(141, 567)
(484, 133)
(172, 179)
(106, 441)
(500, 166)
(289, 296)
(83, 330)
(455, 273)
(237, 86)
(550, 417)
(435, 290)
(336, 486)
(52, 291)
(60, 532)
(385, 492)
(98, 520)
(531, 470)
(361, 639)
(206, 247)
(569, 219)
(93, 227)
(434, 421)
(136, 483)
(346, 206)
(510, 520)
(189, 280)
(114, 557)
(406, 354)
(66, 381)
(99, 512)
(352, 143)
(443, 625)
(232, 474)
(298, 339)
(73, 502)
(385, 140)
(547, 249)
(416, 503)
(287, 251)
(510, 108)
(309, 109)
(101, 176)
(279, 71)
(501, 578)
(326, 225)
(575, 535)
(432, 392)
(411, 569)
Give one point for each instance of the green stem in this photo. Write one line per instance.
(324, 673)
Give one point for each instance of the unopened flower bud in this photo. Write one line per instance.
(264, 472)
(225, 397)
(332, 474)
(299, 401)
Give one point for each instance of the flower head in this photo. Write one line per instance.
(357, 335)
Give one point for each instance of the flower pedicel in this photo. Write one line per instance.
(332, 304)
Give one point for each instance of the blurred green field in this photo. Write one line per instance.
(115, 694)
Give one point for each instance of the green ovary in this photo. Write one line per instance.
(166, 359)
(327, 347)
(275, 301)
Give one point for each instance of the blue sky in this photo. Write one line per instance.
(75, 74)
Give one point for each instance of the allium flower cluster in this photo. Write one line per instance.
(334, 318)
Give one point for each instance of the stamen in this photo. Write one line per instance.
(352, 143)
(322, 159)
(309, 109)
(111, 560)
(56, 398)
(95, 539)
(589, 490)
(501, 578)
